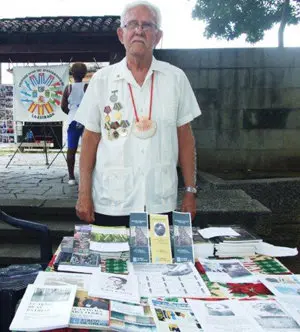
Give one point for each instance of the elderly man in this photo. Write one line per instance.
(137, 117)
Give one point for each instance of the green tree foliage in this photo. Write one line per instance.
(230, 19)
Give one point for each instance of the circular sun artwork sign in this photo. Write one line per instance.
(42, 90)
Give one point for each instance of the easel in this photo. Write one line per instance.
(45, 147)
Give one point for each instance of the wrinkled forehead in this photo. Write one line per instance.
(140, 13)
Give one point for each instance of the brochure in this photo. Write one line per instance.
(173, 316)
(282, 285)
(169, 280)
(182, 237)
(115, 287)
(227, 270)
(270, 315)
(139, 238)
(225, 316)
(109, 239)
(44, 308)
(160, 239)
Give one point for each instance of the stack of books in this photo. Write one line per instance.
(235, 246)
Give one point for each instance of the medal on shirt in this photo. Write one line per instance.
(113, 98)
(143, 127)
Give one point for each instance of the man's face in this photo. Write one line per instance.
(138, 41)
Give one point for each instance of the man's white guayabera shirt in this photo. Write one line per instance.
(130, 172)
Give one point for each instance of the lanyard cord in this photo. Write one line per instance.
(151, 99)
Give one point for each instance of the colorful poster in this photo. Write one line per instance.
(160, 239)
(38, 93)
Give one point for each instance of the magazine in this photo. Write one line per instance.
(168, 280)
(115, 287)
(44, 308)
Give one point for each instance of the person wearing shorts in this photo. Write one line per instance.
(72, 97)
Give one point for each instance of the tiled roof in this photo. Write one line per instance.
(90, 24)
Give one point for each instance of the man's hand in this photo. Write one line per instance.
(189, 204)
(85, 208)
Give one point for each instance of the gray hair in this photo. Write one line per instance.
(153, 9)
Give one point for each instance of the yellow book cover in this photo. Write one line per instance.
(160, 239)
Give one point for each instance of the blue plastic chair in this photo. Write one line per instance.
(15, 278)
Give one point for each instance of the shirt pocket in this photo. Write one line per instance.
(113, 185)
(166, 180)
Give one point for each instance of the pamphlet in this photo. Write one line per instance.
(115, 287)
(226, 315)
(282, 285)
(139, 238)
(173, 316)
(131, 317)
(44, 308)
(169, 280)
(160, 239)
(182, 237)
(109, 239)
(227, 270)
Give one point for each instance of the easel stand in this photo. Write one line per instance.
(44, 127)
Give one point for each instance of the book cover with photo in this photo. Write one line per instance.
(71, 262)
(89, 312)
(44, 308)
(82, 236)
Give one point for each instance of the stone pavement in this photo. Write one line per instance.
(29, 181)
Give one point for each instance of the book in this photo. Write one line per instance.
(44, 308)
(87, 312)
(66, 244)
(245, 236)
(202, 247)
(81, 243)
(109, 239)
(71, 262)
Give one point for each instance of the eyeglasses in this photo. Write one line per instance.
(145, 26)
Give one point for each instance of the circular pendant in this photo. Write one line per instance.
(115, 134)
(144, 128)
